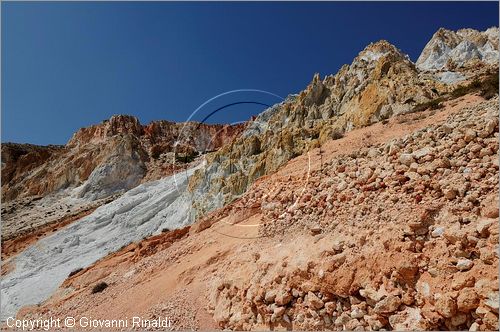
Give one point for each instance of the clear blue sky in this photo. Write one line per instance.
(69, 65)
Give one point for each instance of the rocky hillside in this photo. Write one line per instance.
(46, 188)
(393, 226)
(403, 227)
(380, 83)
(20, 159)
(368, 201)
(107, 158)
(406, 235)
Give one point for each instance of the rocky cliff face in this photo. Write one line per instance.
(381, 82)
(109, 157)
(384, 177)
(120, 152)
(449, 49)
(159, 136)
(19, 159)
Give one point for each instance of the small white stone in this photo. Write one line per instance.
(357, 313)
(422, 152)
(406, 159)
(437, 232)
(474, 327)
(464, 264)
(492, 301)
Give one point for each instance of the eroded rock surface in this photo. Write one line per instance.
(348, 237)
(450, 49)
(380, 83)
(369, 201)
(113, 156)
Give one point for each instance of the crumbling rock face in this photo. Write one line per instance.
(122, 169)
(118, 124)
(109, 157)
(449, 49)
(185, 135)
(374, 87)
(380, 83)
(19, 159)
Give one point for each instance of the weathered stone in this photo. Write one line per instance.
(437, 232)
(338, 246)
(469, 135)
(487, 255)
(464, 264)
(354, 325)
(422, 152)
(387, 305)
(489, 128)
(492, 301)
(313, 301)
(270, 296)
(330, 307)
(489, 206)
(446, 306)
(459, 284)
(408, 320)
(454, 233)
(458, 319)
(467, 300)
(490, 321)
(283, 298)
(450, 193)
(357, 313)
(279, 311)
(222, 311)
(393, 149)
(342, 319)
(474, 327)
(433, 272)
(374, 323)
(406, 159)
(370, 294)
(483, 226)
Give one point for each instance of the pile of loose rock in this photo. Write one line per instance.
(415, 223)
(455, 163)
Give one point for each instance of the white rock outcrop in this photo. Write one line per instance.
(457, 48)
(140, 212)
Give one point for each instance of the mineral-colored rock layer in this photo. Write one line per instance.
(116, 155)
(368, 201)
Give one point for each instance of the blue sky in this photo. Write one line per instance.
(69, 65)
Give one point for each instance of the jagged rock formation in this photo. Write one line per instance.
(107, 158)
(45, 188)
(374, 87)
(159, 136)
(449, 49)
(381, 82)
